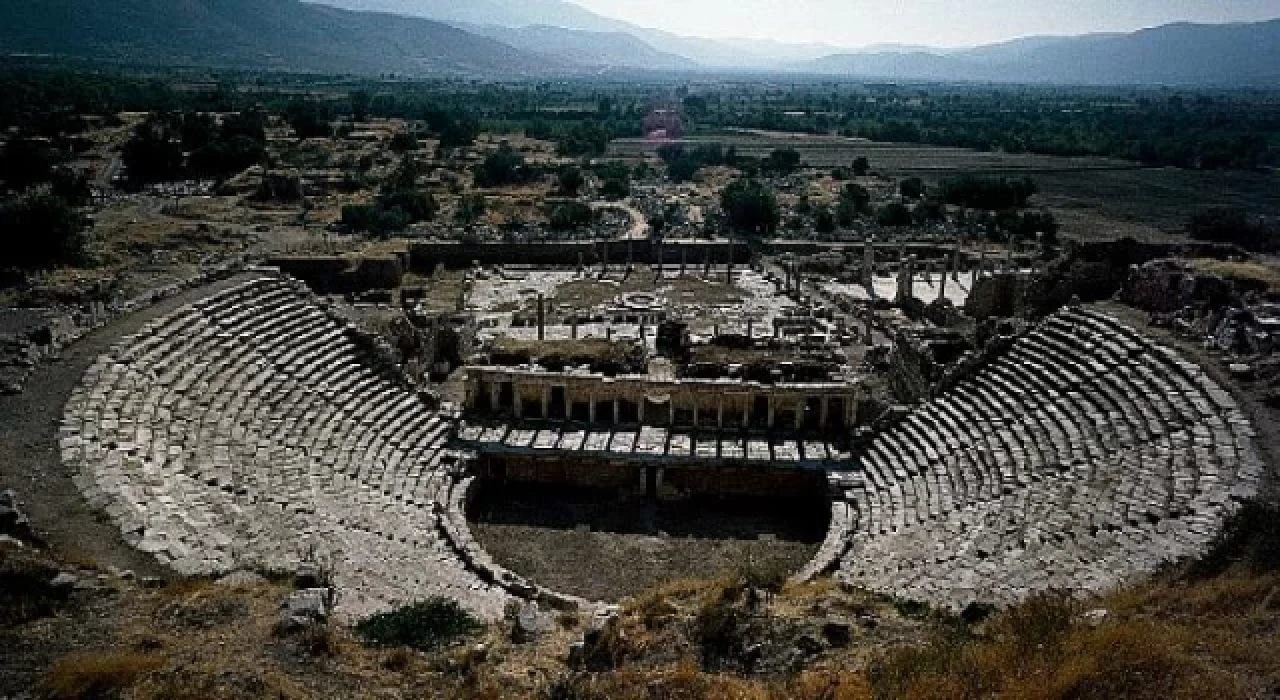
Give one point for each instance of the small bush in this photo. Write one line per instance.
(96, 675)
(40, 231)
(1250, 539)
(424, 626)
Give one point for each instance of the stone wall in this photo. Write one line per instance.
(672, 481)
(424, 257)
(593, 398)
(337, 274)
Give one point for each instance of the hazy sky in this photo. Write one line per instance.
(932, 22)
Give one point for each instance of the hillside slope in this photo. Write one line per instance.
(1176, 54)
(257, 34)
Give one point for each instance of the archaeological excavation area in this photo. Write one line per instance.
(571, 430)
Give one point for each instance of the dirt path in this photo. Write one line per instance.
(30, 462)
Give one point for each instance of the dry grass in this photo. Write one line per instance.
(1268, 275)
(98, 674)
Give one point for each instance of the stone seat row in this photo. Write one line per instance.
(1083, 456)
(248, 430)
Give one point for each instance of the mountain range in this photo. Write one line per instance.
(539, 38)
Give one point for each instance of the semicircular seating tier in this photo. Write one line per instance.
(1080, 458)
(246, 429)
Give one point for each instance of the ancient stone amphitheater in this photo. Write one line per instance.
(251, 428)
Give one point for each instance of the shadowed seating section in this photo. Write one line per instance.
(246, 429)
(1083, 457)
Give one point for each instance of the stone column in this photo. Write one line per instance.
(494, 392)
(750, 328)
(729, 272)
(615, 412)
(542, 318)
(640, 410)
(546, 402)
(942, 286)
(720, 413)
(684, 259)
(871, 310)
(869, 265)
(591, 409)
(822, 413)
(695, 411)
(573, 327)
(905, 284)
(771, 413)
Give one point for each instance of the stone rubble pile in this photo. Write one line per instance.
(1083, 457)
(247, 429)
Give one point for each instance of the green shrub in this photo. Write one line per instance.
(425, 625)
(41, 231)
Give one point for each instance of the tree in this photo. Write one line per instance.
(616, 184)
(584, 139)
(41, 230)
(225, 157)
(857, 196)
(1231, 225)
(894, 214)
(750, 208)
(361, 100)
(782, 161)
(911, 188)
(153, 153)
(861, 166)
(374, 219)
(458, 132)
(823, 221)
(502, 167)
(416, 205)
(991, 194)
(25, 162)
(569, 216)
(470, 208)
(405, 142)
(309, 120)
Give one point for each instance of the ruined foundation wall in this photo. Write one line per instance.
(424, 257)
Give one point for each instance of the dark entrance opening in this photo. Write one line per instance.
(557, 409)
(812, 414)
(580, 411)
(684, 418)
(531, 408)
(484, 399)
(628, 411)
(835, 414)
(657, 413)
(784, 419)
(604, 413)
(760, 412)
(506, 397)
